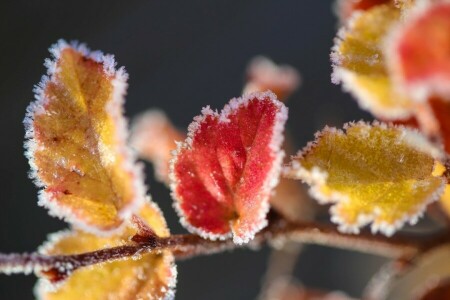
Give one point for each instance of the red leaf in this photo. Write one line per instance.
(224, 173)
(419, 52)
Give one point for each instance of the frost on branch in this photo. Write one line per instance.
(150, 276)
(359, 63)
(76, 141)
(224, 173)
(372, 173)
(154, 137)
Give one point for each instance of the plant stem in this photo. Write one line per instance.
(57, 267)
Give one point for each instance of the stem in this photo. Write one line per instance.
(57, 267)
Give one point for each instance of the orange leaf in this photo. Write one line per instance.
(150, 276)
(76, 141)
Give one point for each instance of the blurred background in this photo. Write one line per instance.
(181, 56)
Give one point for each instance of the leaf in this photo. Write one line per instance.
(154, 138)
(76, 141)
(223, 174)
(150, 276)
(372, 173)
(419, 52)
(359, 63)
(263, 74)
(420, 66)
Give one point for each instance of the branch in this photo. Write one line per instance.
(58, 267)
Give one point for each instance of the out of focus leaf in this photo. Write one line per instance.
(358, 59)
(76, 141)
(373, 173)
(224, 174)
(419, 52)
(263, 74)
(154, 136)
(150, 276)
(419, 61)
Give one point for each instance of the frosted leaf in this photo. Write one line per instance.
(371, 174)
(224, 173)
(358, 62)
(76, 141)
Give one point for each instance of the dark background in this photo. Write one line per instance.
(181, 56)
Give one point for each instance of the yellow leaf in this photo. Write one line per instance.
(151, 276)
(359, 63)
(77, 141)
(373, 173)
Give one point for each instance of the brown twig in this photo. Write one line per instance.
(57, 267)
